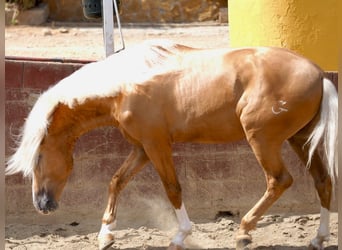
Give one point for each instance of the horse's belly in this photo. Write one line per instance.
(208, 131)
(208, 137)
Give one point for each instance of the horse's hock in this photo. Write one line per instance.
(216, 179)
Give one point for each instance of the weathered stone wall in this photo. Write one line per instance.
(145, 10)
(220, 177)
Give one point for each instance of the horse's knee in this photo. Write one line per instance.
(174, 193)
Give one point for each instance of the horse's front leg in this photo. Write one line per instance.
(136, 160)
(161, 157)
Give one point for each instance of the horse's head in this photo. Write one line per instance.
(54, 165)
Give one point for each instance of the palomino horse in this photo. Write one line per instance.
(159, 93)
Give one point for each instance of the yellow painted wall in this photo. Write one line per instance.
(309, 27)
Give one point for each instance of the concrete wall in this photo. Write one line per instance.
(222, 177)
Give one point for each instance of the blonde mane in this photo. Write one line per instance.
(95, 80)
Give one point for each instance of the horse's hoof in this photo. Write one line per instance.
(317, 243)
(105, 241)
(242, 242)
(315, 247)
(175, 247)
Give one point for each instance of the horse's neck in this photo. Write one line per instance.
(72, 122)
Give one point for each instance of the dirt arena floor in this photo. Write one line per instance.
(56, 40)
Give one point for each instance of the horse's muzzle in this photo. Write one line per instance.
(44, 203)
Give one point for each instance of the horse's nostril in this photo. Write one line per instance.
(45, 203)
(48, 204)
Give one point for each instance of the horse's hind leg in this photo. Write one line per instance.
(161, 157)
(278, 180)
(136, 160)
(323, 186)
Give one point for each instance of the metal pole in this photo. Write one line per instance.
(119, 24)
(108, 26)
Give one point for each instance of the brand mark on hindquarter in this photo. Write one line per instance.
(279, 107)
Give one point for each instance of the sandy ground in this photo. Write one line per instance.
(273, 232)
(80, 42)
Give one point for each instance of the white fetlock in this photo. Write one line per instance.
(317, 243)
(323, 232)
(106, 236)
(178, 239)
(184, 229)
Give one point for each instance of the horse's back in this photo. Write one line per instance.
(216, 95)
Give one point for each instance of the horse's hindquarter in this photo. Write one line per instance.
(277, 91)
(282, 96)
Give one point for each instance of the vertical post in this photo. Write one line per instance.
(306, 26)
(116, 9)
(108, 26)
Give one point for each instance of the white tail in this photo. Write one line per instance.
(326, 129)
